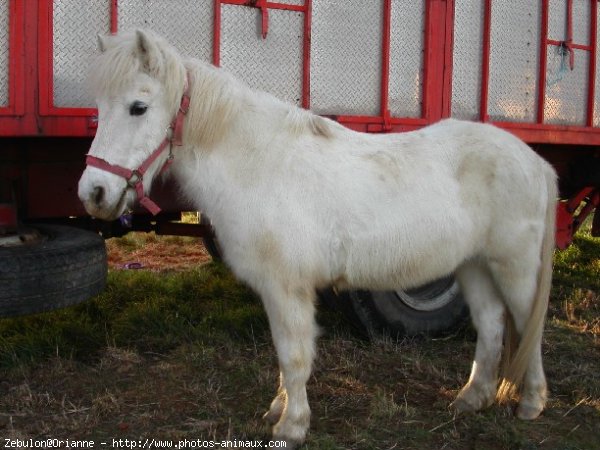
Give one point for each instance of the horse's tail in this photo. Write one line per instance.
(517, 353)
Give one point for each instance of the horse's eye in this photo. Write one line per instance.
(137, 108)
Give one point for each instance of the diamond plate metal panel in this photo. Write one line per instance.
(581, 21)
(273, 64)
(346, 57)
(406, 57)
(75, 27)
(4, 50)
(187, 24)
(557, 20)
(565, 101)
(466, 59)
(514, 60)
(291, 2)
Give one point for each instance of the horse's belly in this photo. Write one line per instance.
(405, 261)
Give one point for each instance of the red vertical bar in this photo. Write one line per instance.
(428, 102)
(570, 21)
(16, 70)
(485, 61)
(217, 33)
(448, 60)
(114, 16)
(306, 54)
(45, 57)
(385, 64)
(543, 63)
(592, 65)
(434, 71)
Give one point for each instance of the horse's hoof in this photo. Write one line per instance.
(290, 434)
(460, 406)
(527, 412)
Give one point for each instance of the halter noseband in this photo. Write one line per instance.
(135, 177)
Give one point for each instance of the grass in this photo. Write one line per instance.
(188, 355)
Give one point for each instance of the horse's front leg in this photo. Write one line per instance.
(291, 313)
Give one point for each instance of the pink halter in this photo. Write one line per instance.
(135, 177)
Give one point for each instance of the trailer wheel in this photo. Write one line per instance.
(433, 308)
(60, 266)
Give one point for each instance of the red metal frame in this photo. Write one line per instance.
(571, 214)
(485, 61)
(16, 68)
(436, 73)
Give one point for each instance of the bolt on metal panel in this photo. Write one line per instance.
(407, 41)
(514, 60)
(187, 24)
(346, 57)
(76, 23)
(4, 52)
(466, 59)
(273, 64)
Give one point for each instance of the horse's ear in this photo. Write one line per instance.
(147, 50)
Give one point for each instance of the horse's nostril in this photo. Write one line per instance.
(98, 195)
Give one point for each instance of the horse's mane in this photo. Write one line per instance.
(216, 96)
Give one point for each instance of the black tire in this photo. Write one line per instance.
(432, 309)
(67, 266)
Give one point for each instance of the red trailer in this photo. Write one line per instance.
(378, 66)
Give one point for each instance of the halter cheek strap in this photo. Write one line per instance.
(135, 177)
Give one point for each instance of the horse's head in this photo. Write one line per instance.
(139, 80)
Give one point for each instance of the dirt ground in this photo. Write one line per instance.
(156, 254)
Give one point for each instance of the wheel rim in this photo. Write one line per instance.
(431, 296)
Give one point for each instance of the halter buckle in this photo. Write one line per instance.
(135, 178)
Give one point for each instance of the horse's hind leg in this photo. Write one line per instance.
(487, 313)
(518, 281)
(291, 315)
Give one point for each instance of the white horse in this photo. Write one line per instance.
(299, 202)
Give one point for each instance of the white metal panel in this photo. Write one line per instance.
(466, 59)
(566, 89)
(346, 52)
(76, 24)
(566, 97)
(514, 60)
(557, 20)
(292, 2)
(406, 57)
(273, 64)
(581, 21)
(4, 47)
(187, 24)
